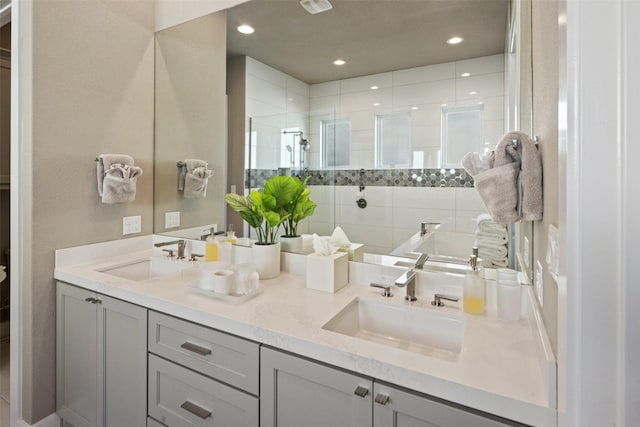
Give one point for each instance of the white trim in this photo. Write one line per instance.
(21, 64)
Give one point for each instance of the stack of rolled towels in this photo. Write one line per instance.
(492, 240)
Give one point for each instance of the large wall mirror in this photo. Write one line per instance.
(382, 121)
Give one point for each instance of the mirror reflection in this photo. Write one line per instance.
(379, 136)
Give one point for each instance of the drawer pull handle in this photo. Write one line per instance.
(382, 399)
(196, 410)
(195, 348)
(361, 391)
(93, 300)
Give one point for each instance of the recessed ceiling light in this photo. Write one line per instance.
(374, 87)
(455, 40)
(465, 74)
(289, 99)
(377, 104)
(443, 105)
(316, 6)
(473, 92)
(246, 29)
(339, 62)
(414, 108)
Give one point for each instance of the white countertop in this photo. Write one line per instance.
(500, 370)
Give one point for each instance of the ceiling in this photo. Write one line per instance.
(372, 36)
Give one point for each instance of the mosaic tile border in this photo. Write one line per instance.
(256, 178)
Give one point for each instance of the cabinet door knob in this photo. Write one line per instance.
(196, 410)
(195, 348)
(92, 300)
(361, 391)
(382, 399)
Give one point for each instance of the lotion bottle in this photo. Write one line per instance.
(211, 247)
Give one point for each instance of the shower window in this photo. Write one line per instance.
(461, 133)
(336, 143)
(393, 140)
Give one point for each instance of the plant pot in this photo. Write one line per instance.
(267, 260)
(291, 244)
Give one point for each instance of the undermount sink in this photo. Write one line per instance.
(415, 329)
(146, 268)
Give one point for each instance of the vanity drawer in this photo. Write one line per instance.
(179, 397)
(226, 358)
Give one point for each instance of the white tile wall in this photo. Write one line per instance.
(393, 213)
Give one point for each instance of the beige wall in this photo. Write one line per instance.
(237, 126)
(93, 65)
(545, 127)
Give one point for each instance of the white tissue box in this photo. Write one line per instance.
(327, 273)
(355, 251)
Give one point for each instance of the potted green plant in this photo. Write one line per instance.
(264, 212)
(299, 207)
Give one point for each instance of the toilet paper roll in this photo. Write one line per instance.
(223, 281)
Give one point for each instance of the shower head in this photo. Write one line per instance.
(289, 148)
(304, 144)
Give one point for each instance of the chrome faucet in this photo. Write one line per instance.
(182, 244)
(420, 261)
(437, 299)
(408, 278)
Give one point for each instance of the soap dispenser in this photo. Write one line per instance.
(474, 287)
(211, 247)
(231, 235)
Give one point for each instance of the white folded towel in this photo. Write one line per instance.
(490, 253)
(483, 239)
(117, 177)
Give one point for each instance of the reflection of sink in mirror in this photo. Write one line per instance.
(415, 329)
(145, 269)
(440, 263)
(445, 243)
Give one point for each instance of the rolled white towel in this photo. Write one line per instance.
(486, 224)
(492, 252)
(500, 263)
(492, 238)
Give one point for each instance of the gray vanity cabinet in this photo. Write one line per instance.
(101, 360)
(295, 392)
(394, 407)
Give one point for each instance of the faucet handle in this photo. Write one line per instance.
(386, 289)
(169, 253)
(438, 297)
(194, 257)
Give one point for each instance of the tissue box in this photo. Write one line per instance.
(355, 251)
(327, 273)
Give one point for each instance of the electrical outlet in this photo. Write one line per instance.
(233, 188)
(539, 283)
(171, 219)
(131, 225)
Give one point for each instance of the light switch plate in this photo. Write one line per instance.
(539, 281)
(131, 225)
(171, 219)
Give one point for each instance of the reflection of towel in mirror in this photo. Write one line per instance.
(475, 163)
(485, 224)
(119, 185)
(193, 178)
(195, 183)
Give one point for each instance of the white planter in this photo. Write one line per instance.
(291, 244)
(267, 260)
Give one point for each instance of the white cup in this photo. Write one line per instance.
(205, 279)
(509, 301)
(223, 281)
(225, 252)
(506, 274)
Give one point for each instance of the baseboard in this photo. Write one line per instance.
(51, 421)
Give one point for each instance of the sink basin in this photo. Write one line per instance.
(146, 268)
(416, 329)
